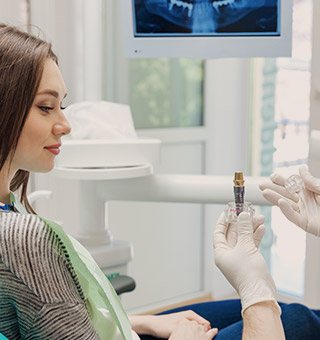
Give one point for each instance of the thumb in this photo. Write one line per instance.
(245, 229)
(310, 182)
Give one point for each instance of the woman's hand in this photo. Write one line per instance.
(191, 330)
(162, 326)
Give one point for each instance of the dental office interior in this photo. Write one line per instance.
(157, 138)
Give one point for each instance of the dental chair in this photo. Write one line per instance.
(121, 283)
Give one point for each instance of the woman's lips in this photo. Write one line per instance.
(53, 150)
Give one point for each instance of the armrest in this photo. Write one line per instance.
(121, 283)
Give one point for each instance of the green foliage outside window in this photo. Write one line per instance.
(166, 92)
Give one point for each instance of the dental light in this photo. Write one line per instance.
(207, 28)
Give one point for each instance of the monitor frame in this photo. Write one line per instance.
(207, 47)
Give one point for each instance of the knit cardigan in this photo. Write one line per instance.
(40, 296)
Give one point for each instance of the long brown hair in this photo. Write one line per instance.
(22, 58)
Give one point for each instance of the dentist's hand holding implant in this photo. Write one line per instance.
(301, 207)
(237, 256)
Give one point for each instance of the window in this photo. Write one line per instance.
(285, 132)
(166, 93)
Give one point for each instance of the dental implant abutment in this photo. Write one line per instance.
(238, 188)
(233, 209)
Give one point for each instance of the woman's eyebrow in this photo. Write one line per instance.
(50, 92)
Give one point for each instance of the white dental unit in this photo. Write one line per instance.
(92, 171)
(90, 190)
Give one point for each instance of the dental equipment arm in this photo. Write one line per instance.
(301, 207)
(91, 191)
(245, 269)
(178, 188)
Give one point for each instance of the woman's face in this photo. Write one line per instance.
(40, 140)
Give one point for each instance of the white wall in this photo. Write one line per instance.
(74, 28)
(11, 12)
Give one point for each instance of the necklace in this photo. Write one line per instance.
(6, 207)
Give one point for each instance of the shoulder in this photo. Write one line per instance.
(33, 253)
(23, 235)
(20, 233)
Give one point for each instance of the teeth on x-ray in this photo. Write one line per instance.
(208, 16)
(217, 4)
(180, 3)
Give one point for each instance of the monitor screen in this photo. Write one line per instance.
(207, 28)
(177, 18)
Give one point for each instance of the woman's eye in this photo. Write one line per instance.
(63, 107)
(45, 108)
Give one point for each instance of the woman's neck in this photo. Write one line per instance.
(5, 179)
(4, 195)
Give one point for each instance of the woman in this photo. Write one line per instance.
(50, 288)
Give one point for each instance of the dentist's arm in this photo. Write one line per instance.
(246, 270)
(261, 321)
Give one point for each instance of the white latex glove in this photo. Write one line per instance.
(258, 231)
(302, 208)
(242, 264)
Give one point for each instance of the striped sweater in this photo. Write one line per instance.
(40, 297)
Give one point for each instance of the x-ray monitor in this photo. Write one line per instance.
(207, 28)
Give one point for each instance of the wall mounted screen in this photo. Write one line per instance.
(207, 28)
(172, 18)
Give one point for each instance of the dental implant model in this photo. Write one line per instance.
(239, 205)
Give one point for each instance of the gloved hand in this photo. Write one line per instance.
(302, 208)
(242, 264)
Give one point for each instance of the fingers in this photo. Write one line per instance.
(278, 191)
(232, 235)
(278, 179)
(212, 333)
(232, 232)
(193, 316)
(227, 235)
(290, 214)
(245, 228)
(222, 218)
(274, 198)
(202, 332)
(310, 182)
(190, 329)
(258, 235)
(257, 221)
(219, 235)
(258, 229)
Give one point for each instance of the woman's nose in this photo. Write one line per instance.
(62, 127)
